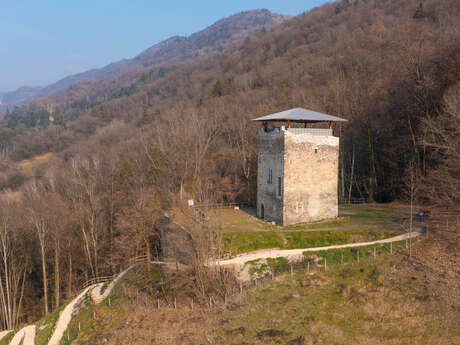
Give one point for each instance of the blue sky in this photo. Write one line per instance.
(43, 41)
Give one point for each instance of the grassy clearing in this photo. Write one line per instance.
(355, 217)
(240, 242)
(242, 232)
(371, 302)
(29, 165)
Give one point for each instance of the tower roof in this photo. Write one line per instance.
(299, 115)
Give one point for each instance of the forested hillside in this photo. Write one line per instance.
(174, 49)
(127, 148)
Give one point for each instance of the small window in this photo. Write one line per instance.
(269, 176)
(316, 150)
(279, 186)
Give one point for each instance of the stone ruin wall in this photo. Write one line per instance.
(310, 179)
(270, 155)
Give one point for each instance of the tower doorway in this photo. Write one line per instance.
(262, 211)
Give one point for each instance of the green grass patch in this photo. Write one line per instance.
(356, 216)
(7, 338)
(240, 242)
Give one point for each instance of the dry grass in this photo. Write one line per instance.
(391, 300)
(30, 165)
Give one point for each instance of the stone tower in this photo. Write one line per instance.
(297, 176)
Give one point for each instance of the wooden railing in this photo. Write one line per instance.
(355, 201)
(103, 279)
(221, 205)
(97, 280)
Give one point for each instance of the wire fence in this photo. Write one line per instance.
(141, 259)
(263, 271)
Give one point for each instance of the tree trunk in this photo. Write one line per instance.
(45, 277)
(372, 174)
(147, 252)
(69, 284)
(351, 174)
(56, 276)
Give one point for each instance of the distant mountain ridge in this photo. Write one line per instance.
(176, 48)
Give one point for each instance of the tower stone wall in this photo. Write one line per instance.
(297, 175)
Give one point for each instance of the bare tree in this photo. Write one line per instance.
(87, 203)
(442, 184)
(36, 214)
(13, 267)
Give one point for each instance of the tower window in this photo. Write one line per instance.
(279, 186)
(269, 176)
(316, 150)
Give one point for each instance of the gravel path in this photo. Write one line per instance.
(96, 293)
(3, 334)
(28, 333)
(64, 318)
(276, 253)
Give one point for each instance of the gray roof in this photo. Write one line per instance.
(299, 114)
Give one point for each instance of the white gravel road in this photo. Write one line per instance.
(27, 333)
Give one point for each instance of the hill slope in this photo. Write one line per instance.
(174, 49)
(129, 148)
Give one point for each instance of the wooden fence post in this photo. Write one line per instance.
(292, 271)
(374, 252)
(158, 303)
(391, 247)
(325, 264)
(175, 304)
